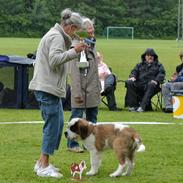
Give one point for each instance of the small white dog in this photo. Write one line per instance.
(78, 168)
(122, 139)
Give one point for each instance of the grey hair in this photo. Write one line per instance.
(69, 17)
(87, 22)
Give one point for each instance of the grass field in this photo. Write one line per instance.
(161, 163)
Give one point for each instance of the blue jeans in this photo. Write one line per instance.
(52, 114)
(91, 115)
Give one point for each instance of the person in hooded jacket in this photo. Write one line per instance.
(144, 82)
(175, 84)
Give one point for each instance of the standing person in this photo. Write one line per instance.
(176, 83)
(49, 82)
(144, 82)
(108, 83)
(85, 84)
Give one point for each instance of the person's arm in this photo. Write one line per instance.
(161, 74)
(57, 53)
(134, 73)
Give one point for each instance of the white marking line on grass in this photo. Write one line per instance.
(21, 122)
(138, 123)
(119, 122)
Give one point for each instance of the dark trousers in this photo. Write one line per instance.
(140, 95)
(111, 100)
(110, 86)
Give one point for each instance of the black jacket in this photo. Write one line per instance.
(179, 68)
(145, 72)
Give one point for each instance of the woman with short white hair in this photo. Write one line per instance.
(85, 84)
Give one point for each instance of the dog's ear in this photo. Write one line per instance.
(83, 130)
(74, 128)
(83, 164)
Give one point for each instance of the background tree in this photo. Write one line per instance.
(32, 18)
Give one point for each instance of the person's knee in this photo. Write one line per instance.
(152, 85)
(165, 88)
(109, 89)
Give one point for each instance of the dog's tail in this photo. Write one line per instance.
(138, 145)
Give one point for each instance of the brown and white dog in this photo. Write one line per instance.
(121, 138)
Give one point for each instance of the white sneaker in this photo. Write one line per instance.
(38, 165)
(132, 109)
(140, 109)
(49, 171)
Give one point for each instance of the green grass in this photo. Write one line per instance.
(161, 163)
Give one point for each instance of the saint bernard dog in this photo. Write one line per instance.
(96, 137)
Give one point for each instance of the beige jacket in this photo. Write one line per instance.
(50, 69)
(88, 87)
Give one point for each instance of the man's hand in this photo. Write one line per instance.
(78, 100)
(80, 47)
(132, 79)
(155, 82)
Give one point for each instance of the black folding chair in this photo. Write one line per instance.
(103, 94)
(157, 102)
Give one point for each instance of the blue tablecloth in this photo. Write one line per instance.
(16, 59)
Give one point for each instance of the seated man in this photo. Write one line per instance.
(108, 83)
(144, 82)
(176, 83)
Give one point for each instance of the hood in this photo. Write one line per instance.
(149, 51)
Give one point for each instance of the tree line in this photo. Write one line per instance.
(151, 19)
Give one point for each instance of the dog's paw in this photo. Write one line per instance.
(126, 174)
(114, 175)
(91, 172)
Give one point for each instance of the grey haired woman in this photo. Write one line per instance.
(49, 82)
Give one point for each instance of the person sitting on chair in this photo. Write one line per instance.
(108, 83)
(144, 82)
(176, 83)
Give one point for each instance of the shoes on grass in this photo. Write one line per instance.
(168, 110)
(140, 109)
(37, 166)
(48, 171)
(135, 109)
(76, 149)
(132, 109)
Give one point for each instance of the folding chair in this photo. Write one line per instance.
(103, 94)
(157, 102)
(104, 100)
